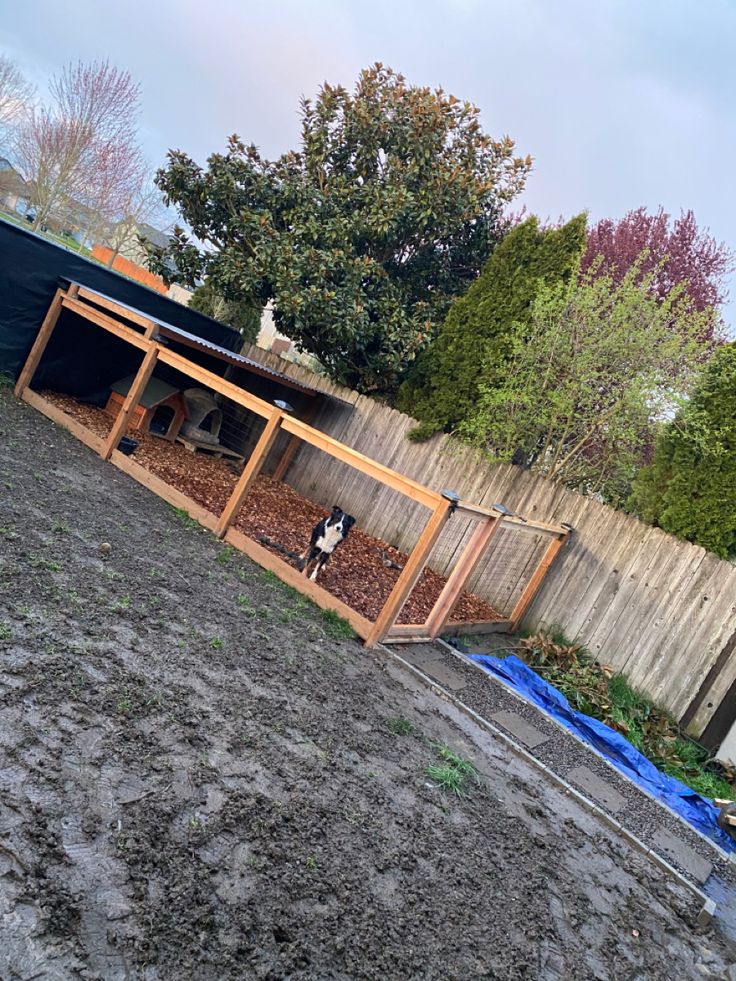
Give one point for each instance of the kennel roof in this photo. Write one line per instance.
(156, 391)
(167, 331)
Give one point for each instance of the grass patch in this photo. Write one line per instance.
(335, 626)
(5, 632)
(608, 697)
(225, 555)
(217, 643)
(401, 727)
(452, 773)
(185, 519)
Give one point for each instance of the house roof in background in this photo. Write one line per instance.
(153, 235)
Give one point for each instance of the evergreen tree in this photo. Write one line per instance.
(483, 325)
(362, 237)
(690, 488)
(243, 315)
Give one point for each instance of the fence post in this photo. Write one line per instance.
(120, 423)
(410, 574)
(464, 568)
(532, 587)
(252, 469)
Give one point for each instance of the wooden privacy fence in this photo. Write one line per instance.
(660, 609)
(151, 338)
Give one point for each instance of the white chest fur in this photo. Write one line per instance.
(333, 536)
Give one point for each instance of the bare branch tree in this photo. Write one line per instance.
(15, 91)
(145, 205)
(92, 117)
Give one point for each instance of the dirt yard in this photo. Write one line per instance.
(199, 779)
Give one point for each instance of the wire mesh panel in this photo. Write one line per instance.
(447, 551)
(507, 566)
(363, 569)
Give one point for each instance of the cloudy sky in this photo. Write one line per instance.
(620, 102)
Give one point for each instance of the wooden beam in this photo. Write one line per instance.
(405, 630)
(169, 494)
(396, 481)
(119, 309)
(216, 383)
(532, 587)
(135, 392)
(292, 577)
(107, 323)
(464, 568)
(57, 415)
(417, 638)
(39, 345)
(473, 627)
(411, 572)
(531, 524)
(252, 469)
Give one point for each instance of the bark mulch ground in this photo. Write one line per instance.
(356, 574)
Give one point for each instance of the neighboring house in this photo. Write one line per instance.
(132, 249)
(271, 340)
(14, 191)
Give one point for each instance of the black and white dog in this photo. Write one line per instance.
(326, 536)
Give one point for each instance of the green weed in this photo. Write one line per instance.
(5, 632)
(121, 604)
(608, 697)
(452, 773)
(185, 519)
(401, 727)
(225, 555)
(217, 643)
(311, 863)
(60, 528)
(246, 606)
(335, 626)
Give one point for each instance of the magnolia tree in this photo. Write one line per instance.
(361, 237)
(591, 373)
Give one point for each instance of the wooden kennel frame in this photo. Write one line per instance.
(150, 336)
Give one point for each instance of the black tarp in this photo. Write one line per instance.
(81, 359)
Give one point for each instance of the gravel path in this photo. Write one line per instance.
(572, 760)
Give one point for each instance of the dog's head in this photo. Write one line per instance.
(338, 516)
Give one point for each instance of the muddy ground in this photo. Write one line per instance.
(199, 780)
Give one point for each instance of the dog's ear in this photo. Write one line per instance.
(349, 522)
(336, 509)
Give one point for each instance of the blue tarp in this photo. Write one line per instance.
(696, 810)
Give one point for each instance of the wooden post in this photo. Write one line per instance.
(120, 425)
(42, 339)
(464, 568)
(252, 469)
(532, 587)
(410, 574)
(294, 443)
